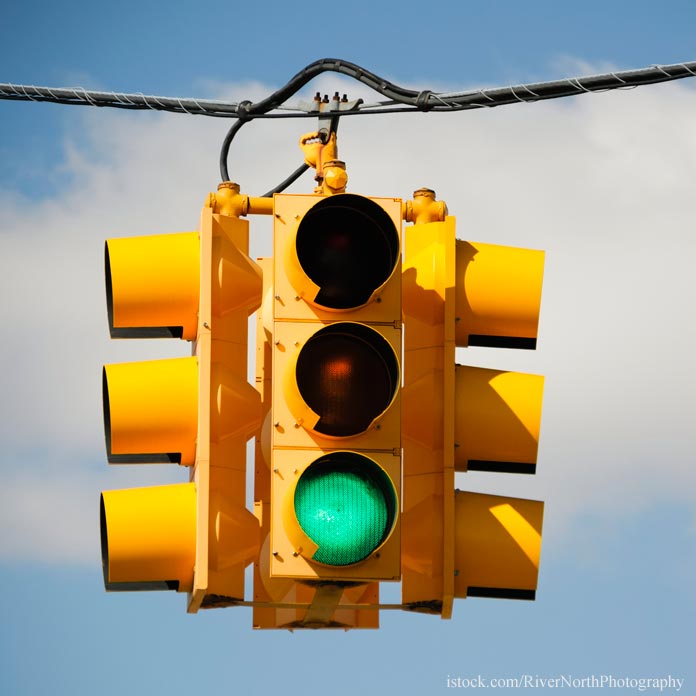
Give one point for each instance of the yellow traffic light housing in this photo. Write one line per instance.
(197, 411)
(361, 415)
(456, 418)
(335, 403)
(149, 538)
(497, 545)
(151, 411)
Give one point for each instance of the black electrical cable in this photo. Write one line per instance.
(344, 67)
(224, 154)
(236, 127)
(290, 180)
(399, 98)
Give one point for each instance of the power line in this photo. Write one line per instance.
(399, 99)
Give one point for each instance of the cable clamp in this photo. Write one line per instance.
(422, 100)
(243, 111)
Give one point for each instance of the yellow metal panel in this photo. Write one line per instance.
(149, 537)
(428, 417)
(229, 412)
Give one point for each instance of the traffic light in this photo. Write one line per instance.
(334, 347)
(457, 419)
(199, 411)
(283, 602)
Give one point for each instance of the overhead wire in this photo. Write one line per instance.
(398, 99)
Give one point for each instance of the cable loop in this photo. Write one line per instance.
(422, 100)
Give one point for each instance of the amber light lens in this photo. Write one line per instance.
(348, 375)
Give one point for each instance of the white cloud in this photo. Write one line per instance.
(604, 183)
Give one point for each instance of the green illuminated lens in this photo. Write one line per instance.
(345, 504)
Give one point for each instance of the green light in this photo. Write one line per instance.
(345, 503)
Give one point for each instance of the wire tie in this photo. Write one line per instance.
(26, 94)
(124, 98)
(485, 96)
(85, 96)
(200, 108)
(514, 94)
(145, 101)
(534, 94)
(662, 70)
(183, 108)
(441, 100)
(575, 82)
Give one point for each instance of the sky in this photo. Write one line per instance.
(603, 183)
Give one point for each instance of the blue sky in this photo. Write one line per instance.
(603, 183)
